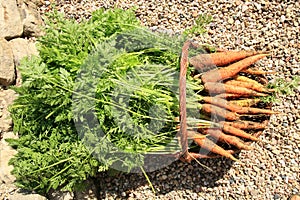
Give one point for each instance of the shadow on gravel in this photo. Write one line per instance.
(176, 176)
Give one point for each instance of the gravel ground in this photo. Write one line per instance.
(272, 170)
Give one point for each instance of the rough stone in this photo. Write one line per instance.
(6, 98)
(10, 20)
(59, 195)
(7, 67)
(31, 19)
(22, 48)
(21, 196)
(6, 154)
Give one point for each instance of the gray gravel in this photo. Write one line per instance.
(272, 170)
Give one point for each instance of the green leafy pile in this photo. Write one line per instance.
(102, 93)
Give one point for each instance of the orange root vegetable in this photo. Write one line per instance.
(257, 87)
(238, 132)
(250, 110)
(193, 156)
(244, 125)
(210, 145)
(256, 72)
(211, 109)
(234, 108)
(204, 62)
(256, 84)
(218, 88)
(229, 139)
(245, 102)
(229, 96)
(231, 70)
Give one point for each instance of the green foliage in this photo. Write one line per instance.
(101, 94)
(282, 87)
(199, 27)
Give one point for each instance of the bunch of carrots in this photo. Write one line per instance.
(231, 96)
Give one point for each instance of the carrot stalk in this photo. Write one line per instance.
(210, 145)
(207, 61)
(211, 109)
(244, 124)
(218, 88)
(229, 139)
(231, 70)
(245, 102)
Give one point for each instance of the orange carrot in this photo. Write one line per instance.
(245, 102)
(218, 88)
(256, 72)
(211, 109)
(238, 109)
(207, 61)
(249, 80)
(229, 96)
(229, 139)
(210, 145)
(238, 132)
(192, 156)
(244, 124)
(257, 87)
(231, 70)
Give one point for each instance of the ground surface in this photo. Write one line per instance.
(272, 170)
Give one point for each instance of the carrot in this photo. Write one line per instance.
(229, 96)
(245, 102)
(231, 70)
(255, 83)
(256, 72)
(192, 156)
(210, 145)
(234, 108)
(238, 132)
(211, 109)
(248, 85)
(207, 61)
(218, 88)
(229, 139)
(244, 124)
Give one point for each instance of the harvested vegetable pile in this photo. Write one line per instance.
(107, 92)
(235, 90)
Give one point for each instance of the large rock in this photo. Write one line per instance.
(7, 67)
(32, 21)
(6, 98)
(6, 154)
(11, 25)
(24, 196)
(22, 48)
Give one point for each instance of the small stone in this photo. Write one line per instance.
(230, 20)
(164, 177)
(123, 194)
(195, 14)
